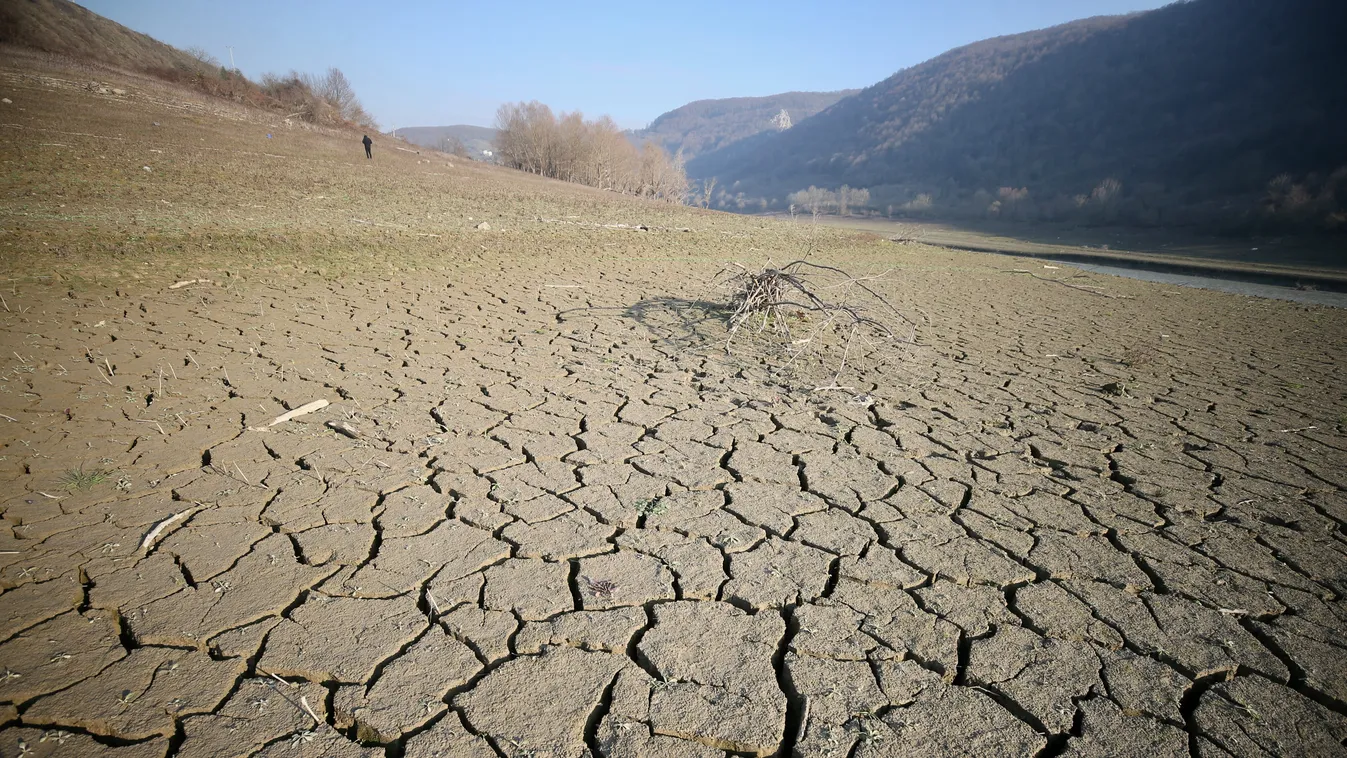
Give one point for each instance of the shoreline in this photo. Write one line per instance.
(1325, 278)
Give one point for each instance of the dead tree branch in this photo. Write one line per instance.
(767, 300)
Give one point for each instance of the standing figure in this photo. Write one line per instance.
(368, 142)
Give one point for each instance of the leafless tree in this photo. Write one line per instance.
(454, 146)
(708, 186)
(336, 90)
(860, 197)
(530, 138)
(203, 57)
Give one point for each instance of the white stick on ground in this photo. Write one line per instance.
(162, 525)
(302, 410)
(304, 701)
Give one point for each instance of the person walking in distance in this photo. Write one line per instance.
(368, 142)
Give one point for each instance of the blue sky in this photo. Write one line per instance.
(426, 63)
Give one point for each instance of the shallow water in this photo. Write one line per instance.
(1251, 289)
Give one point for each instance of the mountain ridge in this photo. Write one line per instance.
(1192, 109)
(710, 124)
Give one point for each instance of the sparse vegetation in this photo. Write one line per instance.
(651, 507)
(596, 153)
(80, 480)
(328, 99)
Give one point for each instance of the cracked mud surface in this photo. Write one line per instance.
(567, 528)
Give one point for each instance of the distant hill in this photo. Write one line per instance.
(1192, 109)
(475, 139)
(703, 126)
(60, 26)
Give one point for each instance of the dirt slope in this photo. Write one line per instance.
(64, 28)
(557, 519)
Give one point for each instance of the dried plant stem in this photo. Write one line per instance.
(162, 525)
(304, 701)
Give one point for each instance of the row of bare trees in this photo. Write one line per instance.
(595, 152)
(817, 201)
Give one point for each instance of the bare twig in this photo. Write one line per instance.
(277, 678)
(767, 299)
(768, 295)
(304, 701)
(147, 421)
(162, 525)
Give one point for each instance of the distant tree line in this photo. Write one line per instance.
(1288, 203)
(818, 201)
(596, 153)
(328, 99)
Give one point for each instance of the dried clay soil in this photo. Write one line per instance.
(558, 519)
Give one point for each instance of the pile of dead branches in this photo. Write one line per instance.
(802, 302)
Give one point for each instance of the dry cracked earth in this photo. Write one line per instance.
(546, 528)
(545, 513)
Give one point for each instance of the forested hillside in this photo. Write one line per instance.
(1209, 111)
(706, 125)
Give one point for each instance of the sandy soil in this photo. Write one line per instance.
(546, 514)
